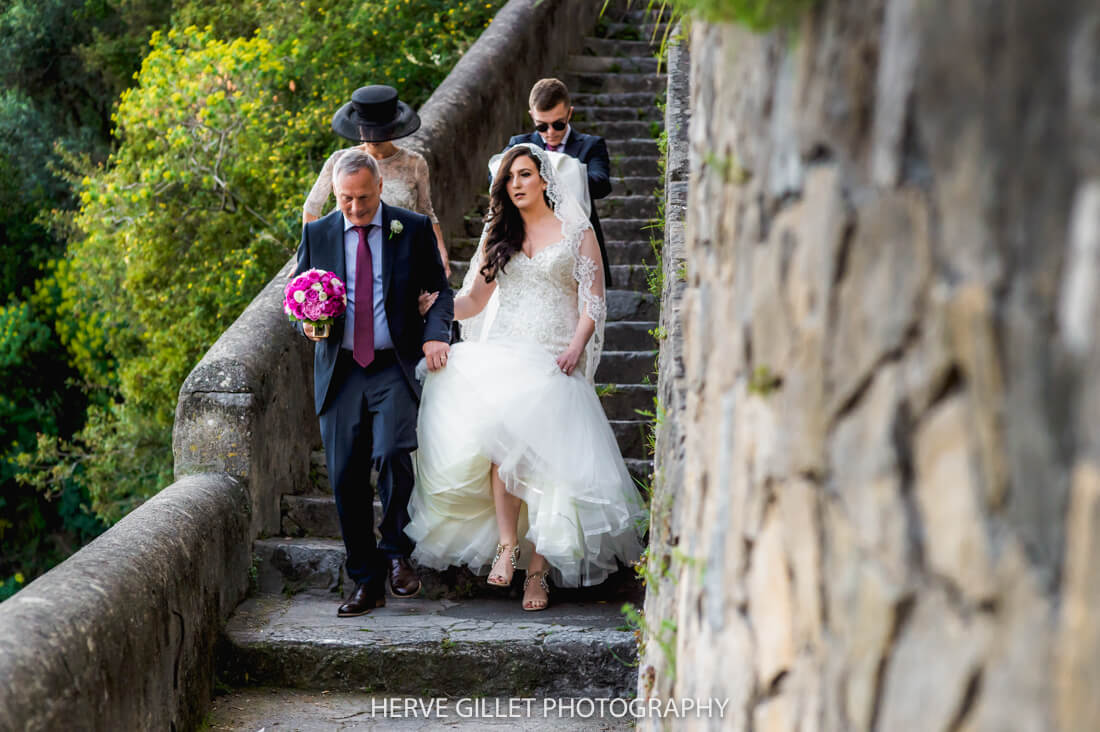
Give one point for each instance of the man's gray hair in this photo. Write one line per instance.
(353, 161)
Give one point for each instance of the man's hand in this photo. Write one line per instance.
(307, 328)
(436, 354)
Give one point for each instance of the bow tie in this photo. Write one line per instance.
(553, 148)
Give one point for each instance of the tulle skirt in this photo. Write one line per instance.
(508, 403)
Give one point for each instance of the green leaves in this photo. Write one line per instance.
(758, 15)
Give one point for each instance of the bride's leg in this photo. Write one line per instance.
(507, 512)
(536, 588)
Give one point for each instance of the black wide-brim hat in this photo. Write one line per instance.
(375, 114)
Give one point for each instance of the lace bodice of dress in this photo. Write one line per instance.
(538, 299)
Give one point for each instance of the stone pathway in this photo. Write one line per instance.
(461, 639)
(453, 648)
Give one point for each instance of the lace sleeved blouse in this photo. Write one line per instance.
(404, 183)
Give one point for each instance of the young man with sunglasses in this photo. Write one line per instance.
(551, 111)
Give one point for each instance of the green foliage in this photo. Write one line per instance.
(759, 15)
(727, 167)
(55, 108)
(218, 142)
(764, 381)
(664, 636)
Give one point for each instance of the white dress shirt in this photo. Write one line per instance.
(564, 139)
(382, 337)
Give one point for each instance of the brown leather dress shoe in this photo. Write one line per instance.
(362, 601)
(403, 580)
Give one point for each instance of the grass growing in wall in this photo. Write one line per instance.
(663, 636)
(759, 15)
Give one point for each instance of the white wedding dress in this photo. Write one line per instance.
(502, 399)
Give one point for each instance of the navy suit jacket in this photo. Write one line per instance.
(592, 151)
(410, 263)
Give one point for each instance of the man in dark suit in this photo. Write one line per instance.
(365, 390)
(551, 111)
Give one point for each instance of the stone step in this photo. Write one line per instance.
(635, 100)
(472, 224)
(596, 46)
(631, 277)
(458, 272)
(436, 648)
(626, 367)
(310, 516)
(631, 434)
(635, 165)
(631, 30)
(274, 708)
(635, 146)
(630, 25)
(623, 401)
(610, 114)
(618, 206)
(289, 565)
(627, 336)
(460, 249)
(641, 470)
(632, 305)
(634, 229)
(613, 131)
(635, 252)
(593, 82)
(642, 64)
(636, 185)
(639, 13)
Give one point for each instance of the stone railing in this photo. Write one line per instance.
(121, 635)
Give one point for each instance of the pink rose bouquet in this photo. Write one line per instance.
(315, 297)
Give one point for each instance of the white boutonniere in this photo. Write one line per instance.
(396, 227)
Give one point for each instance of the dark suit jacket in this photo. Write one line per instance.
(592, 151)
(410, 263)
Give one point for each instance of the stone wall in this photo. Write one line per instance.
(121, 635)
(246, 409)
(882, 482)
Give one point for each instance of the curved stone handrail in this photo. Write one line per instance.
(121, 635)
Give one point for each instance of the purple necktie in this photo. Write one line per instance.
(553, 148)
(363, 338)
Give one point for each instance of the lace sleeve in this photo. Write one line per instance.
(476, 328)
(591, 296)
(424, 190)
(322, 188)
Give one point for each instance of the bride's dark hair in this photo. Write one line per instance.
(505, 233)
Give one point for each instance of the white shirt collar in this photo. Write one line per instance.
(376, 221)
(564, 139)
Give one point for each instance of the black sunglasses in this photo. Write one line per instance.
(558, 124)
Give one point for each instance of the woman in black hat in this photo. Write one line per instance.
(375, 117)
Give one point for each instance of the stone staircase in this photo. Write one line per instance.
(461, 638)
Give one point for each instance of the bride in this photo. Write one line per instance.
(515, 451)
